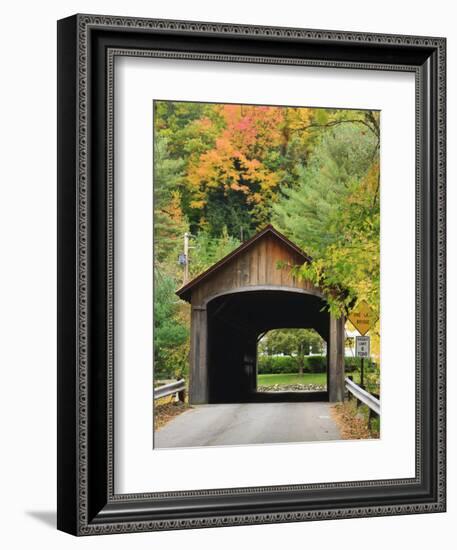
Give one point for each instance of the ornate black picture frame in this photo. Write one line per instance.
(87, 503)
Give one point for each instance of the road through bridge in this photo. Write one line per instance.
(249, 423)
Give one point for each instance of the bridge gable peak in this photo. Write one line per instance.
(254, 263)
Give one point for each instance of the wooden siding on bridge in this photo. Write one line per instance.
(256, 266)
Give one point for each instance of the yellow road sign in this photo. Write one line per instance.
(362, 317)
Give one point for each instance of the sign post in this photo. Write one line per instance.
(363, 318)
(362, 350)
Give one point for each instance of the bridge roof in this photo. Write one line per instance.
(185, 291)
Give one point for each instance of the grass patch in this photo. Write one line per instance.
(289, 379)
(306, 378)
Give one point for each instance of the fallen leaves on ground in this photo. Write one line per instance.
(166, 412)
(352, 424)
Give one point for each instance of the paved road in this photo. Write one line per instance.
(247, 423)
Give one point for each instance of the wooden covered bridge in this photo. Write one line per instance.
(237, 300)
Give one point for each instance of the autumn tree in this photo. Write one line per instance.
(233, 184)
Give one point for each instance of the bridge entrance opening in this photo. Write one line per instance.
(238, 322)
(292, 360)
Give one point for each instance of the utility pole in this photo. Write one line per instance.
(186, 256)
(183, 258)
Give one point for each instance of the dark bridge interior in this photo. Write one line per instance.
(235, 323)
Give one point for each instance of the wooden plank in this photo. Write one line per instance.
(274, 252)
(270, 261)
(283, 272)
(198, 372)
(243, 269)
(254, 264)
(336, 359)
(262, 262)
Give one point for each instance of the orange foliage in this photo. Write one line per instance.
(236, 161)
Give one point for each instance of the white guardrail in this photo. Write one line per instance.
(170, 389)
(362, 395)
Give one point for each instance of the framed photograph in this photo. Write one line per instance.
(251, 274)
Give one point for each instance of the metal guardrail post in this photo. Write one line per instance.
(362, 396)
(178, 388)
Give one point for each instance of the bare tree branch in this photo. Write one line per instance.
(374, 129)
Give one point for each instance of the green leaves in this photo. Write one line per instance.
(208, 250)
(333, 214)
(171, 330)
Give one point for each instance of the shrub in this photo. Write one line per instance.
(316, 363)
(284, 364)
(279, 364)
(269, 364)
(352, 364)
